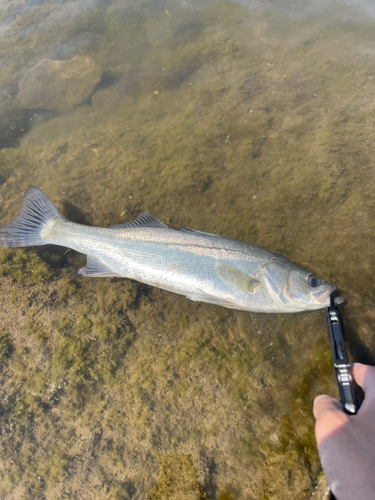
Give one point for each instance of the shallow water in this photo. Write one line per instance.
(253, 120)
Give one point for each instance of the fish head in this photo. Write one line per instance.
(293, 288)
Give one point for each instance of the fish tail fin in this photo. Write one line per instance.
(25, 230)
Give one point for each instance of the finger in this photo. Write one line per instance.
(365, 377)
(329, 416)
(324, 405)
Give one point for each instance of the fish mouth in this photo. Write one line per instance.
(323, 295)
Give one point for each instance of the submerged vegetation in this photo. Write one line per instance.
(23, 267)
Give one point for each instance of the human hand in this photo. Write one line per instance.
(346, 443)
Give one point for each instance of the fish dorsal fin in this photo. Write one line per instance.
(96, 269)
(236, 277)
(143, 220)
(188, 230)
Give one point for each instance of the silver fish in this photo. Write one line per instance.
(202, 266)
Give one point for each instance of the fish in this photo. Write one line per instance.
(202, 266)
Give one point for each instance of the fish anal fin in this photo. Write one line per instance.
(237, 278)
(96, 269)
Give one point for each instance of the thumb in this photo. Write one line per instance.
(324, 405)
(329, 415)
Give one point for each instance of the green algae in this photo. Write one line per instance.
(23, 267)
(109, 328)
(225, 496)
(177, 480)
(83, 325)
(35, 327)
(67, 288)
(54, 465)
(6, 345)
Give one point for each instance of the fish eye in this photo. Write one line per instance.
(313, 280)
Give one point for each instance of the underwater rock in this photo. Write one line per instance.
(59, 85)
(73, 45)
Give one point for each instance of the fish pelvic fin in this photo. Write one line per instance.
(96, 269)
(25, 230)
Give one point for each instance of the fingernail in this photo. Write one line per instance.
(318, 398)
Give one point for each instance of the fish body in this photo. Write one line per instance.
(201, 266)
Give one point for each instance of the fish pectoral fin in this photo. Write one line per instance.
(143, 220)
(96, 269)
(237, 278)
